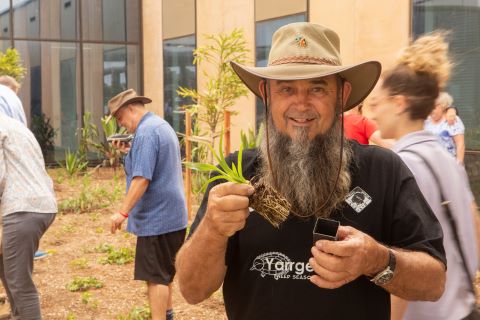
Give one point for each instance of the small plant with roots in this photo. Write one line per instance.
(270, 204)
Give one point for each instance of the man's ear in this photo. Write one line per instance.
(347, 89)
(261, 88)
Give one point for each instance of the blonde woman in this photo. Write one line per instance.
(406, 96)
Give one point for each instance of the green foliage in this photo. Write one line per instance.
(70, 316)
(68, 228)
(199, 151)
(90, 198)
(87, 133)
(90, 139)
(84, 284)
(119, 256)
(11, 65)
(137, 313)
(250, 140)
(74, 163)
(86, 298)
(80, 263)
(43, 131)
(222, 87)
(232, 174)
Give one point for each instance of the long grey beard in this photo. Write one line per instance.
(306, 171)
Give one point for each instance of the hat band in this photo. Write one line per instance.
(304, 59)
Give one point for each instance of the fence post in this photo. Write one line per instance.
(188, 158)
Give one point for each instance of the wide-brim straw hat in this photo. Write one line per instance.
(302, 51)
(124, 98)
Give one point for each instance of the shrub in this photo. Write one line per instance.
(84, 284)
(80, 263)
(74, 163)
(119, 256)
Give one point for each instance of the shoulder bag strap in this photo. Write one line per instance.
(451, 219)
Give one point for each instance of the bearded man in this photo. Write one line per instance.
(388, 241)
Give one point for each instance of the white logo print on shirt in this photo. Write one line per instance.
(358, 199)
(279, 266)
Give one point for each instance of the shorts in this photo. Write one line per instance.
(155, 257)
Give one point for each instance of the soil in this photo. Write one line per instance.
(74, 236)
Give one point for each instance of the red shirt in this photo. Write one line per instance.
(358, 127)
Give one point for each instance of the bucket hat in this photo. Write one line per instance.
(302, 51)
(124, 98)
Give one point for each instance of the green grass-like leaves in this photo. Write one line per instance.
(84, 284)
(232, 174)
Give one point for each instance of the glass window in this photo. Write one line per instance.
(178, 71)
(52, 88)
(264, 31)
(26, 18)
(5, 44)
(113, 27)
(464, 22)
(110, 20)
(5, 31)
(111, 67)
(58, 19)
(463, 19)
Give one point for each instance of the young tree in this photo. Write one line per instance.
(11, 65)
(222, 87)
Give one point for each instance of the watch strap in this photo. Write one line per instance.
(386, 274)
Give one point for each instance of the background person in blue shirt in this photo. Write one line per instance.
(10, 103)
(451, 134)
(155, 200)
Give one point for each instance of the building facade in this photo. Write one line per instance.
(80, 53)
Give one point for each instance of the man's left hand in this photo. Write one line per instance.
(117, 220)
(337, 263)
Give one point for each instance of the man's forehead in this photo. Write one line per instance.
(321, 80)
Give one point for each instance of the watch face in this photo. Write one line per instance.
(385, 277)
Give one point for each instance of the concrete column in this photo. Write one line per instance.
(153, 54)
(363, 27)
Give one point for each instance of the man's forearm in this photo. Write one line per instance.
(136, 191)
(200, 264)
(418, 276)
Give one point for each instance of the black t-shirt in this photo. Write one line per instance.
(268, 270)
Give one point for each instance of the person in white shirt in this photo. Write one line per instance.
(10, 103)
(28, 207)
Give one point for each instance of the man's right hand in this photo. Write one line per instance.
(124, 147)
(227, 209)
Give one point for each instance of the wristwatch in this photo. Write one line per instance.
(384, 276)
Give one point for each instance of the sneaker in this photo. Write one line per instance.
(40, 255)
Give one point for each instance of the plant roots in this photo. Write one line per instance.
(270, 204)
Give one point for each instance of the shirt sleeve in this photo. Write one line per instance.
(2, 166)
(457, 128)
(370, 127)
(144, 153)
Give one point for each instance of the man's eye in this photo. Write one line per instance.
(318, 90)
(286, 90)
